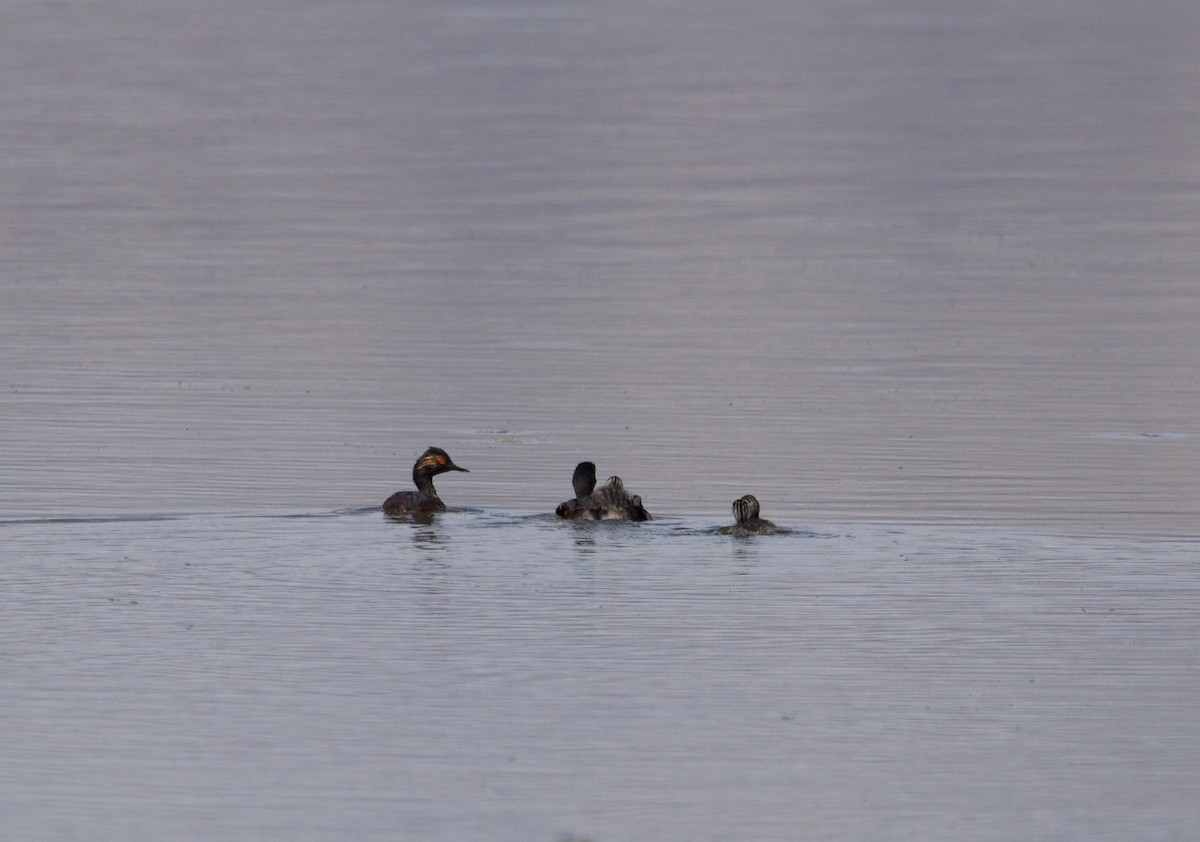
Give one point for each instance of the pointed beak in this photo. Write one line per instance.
(450, 466)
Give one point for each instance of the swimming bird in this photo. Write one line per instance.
(432, 462)
(745, 512)
(608, 502)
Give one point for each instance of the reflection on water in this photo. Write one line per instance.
(193, 675)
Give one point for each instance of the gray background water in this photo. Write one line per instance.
(920, 275)
(917, 260)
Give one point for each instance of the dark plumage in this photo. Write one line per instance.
(432, 462)
(608, 502)
(745, 512)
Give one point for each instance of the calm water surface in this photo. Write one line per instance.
(494, 676)
(921, 276)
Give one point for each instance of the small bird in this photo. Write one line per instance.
(745, 512)
(609, 502)
(432, 462)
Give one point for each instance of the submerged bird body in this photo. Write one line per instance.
(425, 499)
(608, 502)
(745, 512)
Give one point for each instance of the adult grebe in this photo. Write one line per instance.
(432, 462)
(608, 502)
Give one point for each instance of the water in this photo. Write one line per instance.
(921, 278)
(511, 676)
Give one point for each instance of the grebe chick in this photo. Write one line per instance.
(608, 502)
(745, 512)
(432, 462)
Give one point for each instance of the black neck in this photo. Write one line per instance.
(584, 479)
(424, 482)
